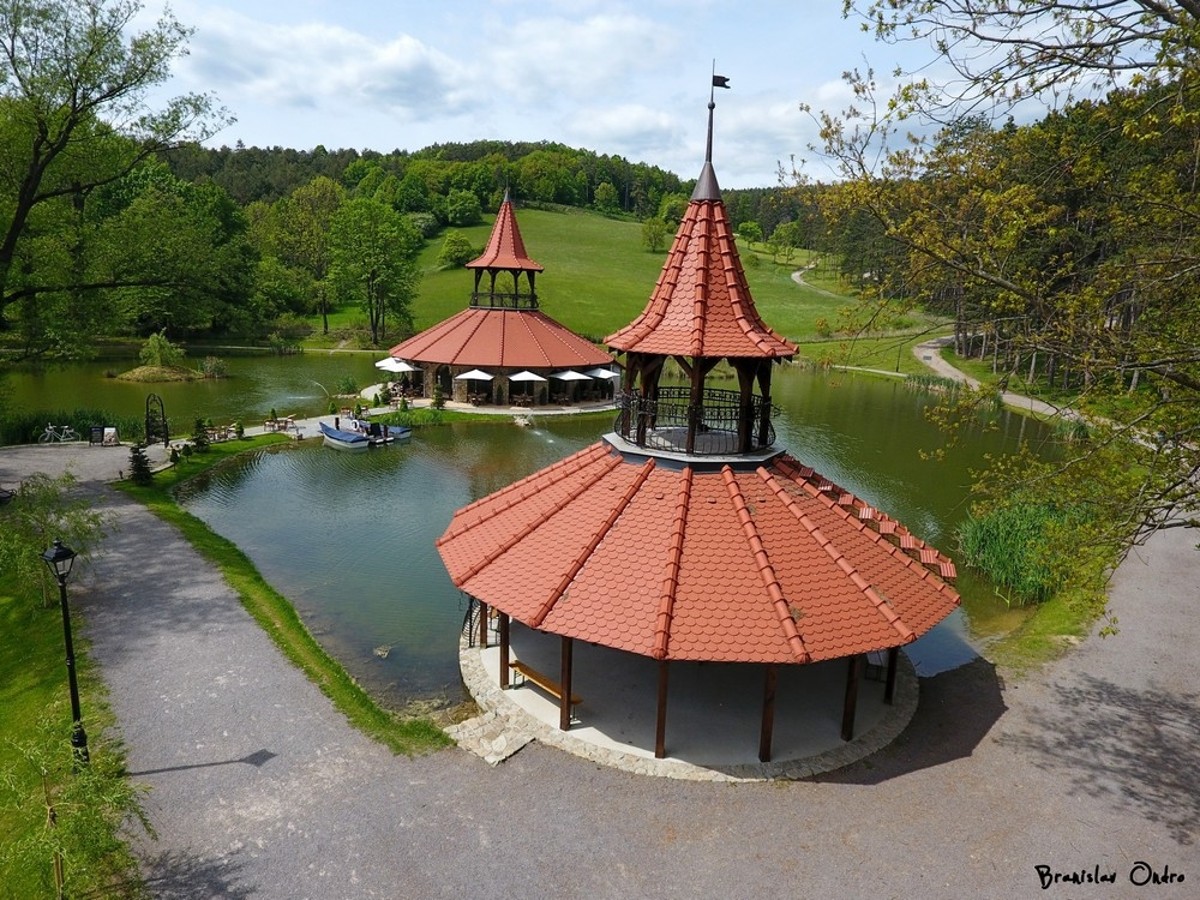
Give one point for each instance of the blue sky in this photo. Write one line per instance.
(625, 78)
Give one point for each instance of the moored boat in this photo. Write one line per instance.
(365, 435)
(344, 440)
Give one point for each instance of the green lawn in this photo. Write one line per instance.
(37, 727)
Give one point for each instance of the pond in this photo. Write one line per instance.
(349, 538)
(256, 383)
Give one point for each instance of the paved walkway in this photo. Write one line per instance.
(258, 787)
(930, 353)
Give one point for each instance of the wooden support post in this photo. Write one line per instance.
(483, 628)
(660, 724)
(504, 649)
(853, 674)
(564, 702)
(768, 714)
(889, 690)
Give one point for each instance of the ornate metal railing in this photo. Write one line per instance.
(498, 300)
(719, 425)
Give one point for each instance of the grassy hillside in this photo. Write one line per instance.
(599, 276)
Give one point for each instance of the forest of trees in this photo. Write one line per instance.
(1065, 251)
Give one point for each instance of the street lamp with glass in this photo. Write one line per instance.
(60, 559)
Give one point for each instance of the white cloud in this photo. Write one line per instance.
(315, 66)
(559, 59)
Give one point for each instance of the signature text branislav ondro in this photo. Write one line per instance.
(1140, 874)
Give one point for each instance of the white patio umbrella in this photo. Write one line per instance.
(570, 375)
(391, 364)
(473, 375)
(526, 375)
(601, 373)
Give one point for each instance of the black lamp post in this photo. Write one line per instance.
(60, 559)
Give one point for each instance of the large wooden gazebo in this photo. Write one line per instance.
(686, 534)
(503, 336)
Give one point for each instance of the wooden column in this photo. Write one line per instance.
(764, 388)
(660, 724)
(483, 614)
(564, 702)
(768, 714)
(889, 690)
(504, 648)
(853, 675)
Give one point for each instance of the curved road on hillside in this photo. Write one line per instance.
(259, 788)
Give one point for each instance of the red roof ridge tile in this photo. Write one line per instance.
(505, 248)
(531, 526)
(944, 563)
(516, 492)
(872, 595)
(765, 570)
(597, 536)
(666, 597)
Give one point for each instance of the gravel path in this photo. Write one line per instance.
(259, 788)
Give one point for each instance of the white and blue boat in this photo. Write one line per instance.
(364, 435)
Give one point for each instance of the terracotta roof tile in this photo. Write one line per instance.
(505, 248)
(743, 564)
(701, 304)
(501, 338)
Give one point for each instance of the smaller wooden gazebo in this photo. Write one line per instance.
(686, 534)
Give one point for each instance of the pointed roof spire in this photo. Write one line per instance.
(707, 187)
(701, 305)
(505, 248)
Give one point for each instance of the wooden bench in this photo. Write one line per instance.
(548, 685)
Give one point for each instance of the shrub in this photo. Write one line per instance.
(439, 397)
(200, 436)
(347, 385)
(1018, 547)
(158, 351)
(456, 251)
(214, 367)
(139, 466)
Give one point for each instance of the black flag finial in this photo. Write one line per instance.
(721, 81)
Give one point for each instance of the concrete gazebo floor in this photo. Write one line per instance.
(714, 712)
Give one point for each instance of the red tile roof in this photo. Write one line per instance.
(512, 338)
(505, 248)
(701, 305)
(758, 563)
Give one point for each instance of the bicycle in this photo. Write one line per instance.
(57, 434)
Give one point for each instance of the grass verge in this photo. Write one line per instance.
(275, 614)
(37, 728)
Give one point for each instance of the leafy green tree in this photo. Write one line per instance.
(607, 199)
(44, 509)
(463, 209)
(373, 251)
(654, 234)
(182, 256)
(76, 91)
(304, 220)
(1066, 247)
(456, 250)
(672, 207)
(158, 351)
(750, 231)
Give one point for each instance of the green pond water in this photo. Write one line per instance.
(349, 538)
(298, 385)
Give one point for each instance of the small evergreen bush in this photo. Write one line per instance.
(139, 466)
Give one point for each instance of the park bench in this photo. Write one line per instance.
(547, 684)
